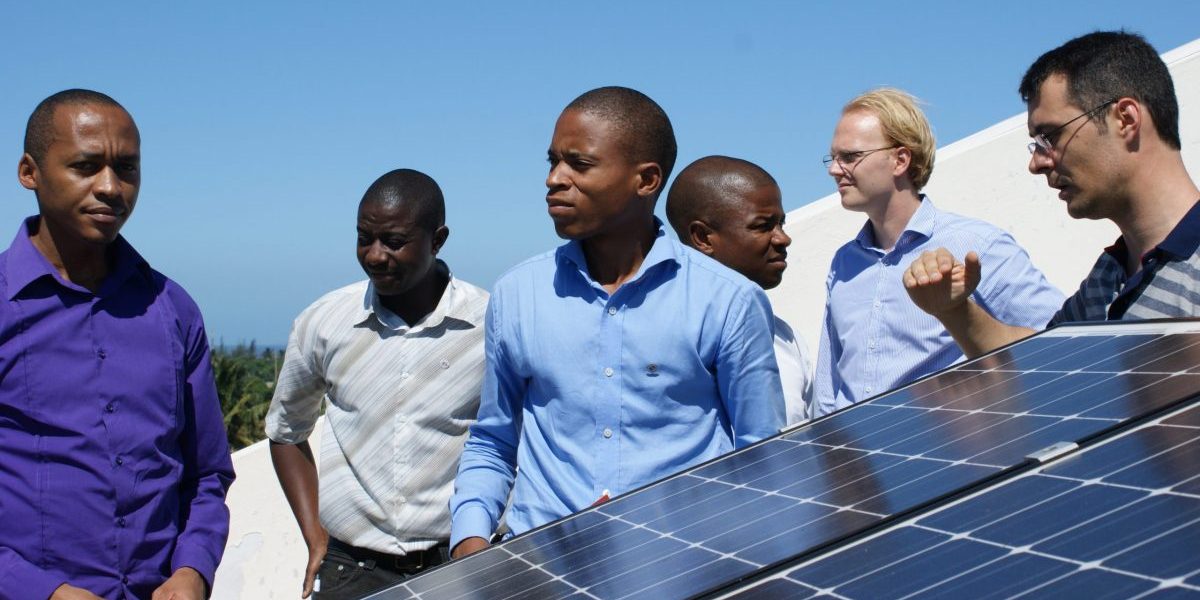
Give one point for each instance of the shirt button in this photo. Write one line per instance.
(109, 407)
(608, 372)
(404, 375)
(125, 579)
(101, 353)
(120, 461)
(612, 310)
(607, 432)
(401, 500)
(868, 390)
(121, 522)
(870, 343)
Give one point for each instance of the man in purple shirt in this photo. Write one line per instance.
(113, 458)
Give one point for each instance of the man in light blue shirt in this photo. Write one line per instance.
(874, 338)
(622, 356)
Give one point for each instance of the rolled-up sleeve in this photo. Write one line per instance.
(747, 374)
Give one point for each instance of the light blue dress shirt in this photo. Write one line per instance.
(591, 393)
(875, 339)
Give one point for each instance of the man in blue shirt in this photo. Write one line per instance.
(1105, 126)
(620, 357)
(874, 339)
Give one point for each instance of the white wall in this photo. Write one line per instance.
(982, 176)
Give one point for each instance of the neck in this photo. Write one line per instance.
(892, 216)
(613, 259)
(1157, 198)
(417, 303)
(78, 262)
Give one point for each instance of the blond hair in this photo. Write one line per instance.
(904, 124)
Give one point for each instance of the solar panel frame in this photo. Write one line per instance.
(596, 569)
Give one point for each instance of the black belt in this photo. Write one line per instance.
(413, 561)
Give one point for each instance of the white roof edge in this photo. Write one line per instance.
(980, 138)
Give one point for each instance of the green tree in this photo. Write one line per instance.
(245, 380)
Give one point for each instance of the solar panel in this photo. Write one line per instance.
(1119, 519)
(839, 477)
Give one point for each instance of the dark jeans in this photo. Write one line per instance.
(350, 573)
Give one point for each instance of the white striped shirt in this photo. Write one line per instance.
(399, 402)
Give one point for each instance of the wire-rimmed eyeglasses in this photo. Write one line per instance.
(849, 158)
(1045, 141)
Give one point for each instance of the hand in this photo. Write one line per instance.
(70, 592)
(939, 284)
(316, 553)
(185, 584)
(470, 545)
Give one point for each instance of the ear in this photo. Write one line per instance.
(27, 172)
(439, 238)
(1130, 118)
(902, 161)
(700, 237)
(650, 179)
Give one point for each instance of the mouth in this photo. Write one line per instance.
(106, 214)
(558, 208)
(779, 262)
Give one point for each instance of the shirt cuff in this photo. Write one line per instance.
(27, 581)
(470, 520)
(196, 558)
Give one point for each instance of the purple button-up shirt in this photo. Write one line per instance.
(113, 457)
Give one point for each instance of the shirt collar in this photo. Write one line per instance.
(24, 264)
(449, 306)
(1184, 240)
(920, 226)
(662, 251)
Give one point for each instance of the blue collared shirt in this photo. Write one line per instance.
(590, 393)
(874, 338)
(113, 451)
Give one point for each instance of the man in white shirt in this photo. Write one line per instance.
(399, 357)
(732, 210)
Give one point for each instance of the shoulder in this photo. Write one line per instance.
(702, 270)
(351, 295)
(470, 300)
(535, 268)
(185, 307)
(953, 225)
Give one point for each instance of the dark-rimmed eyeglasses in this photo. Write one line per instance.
(849, 158)
(1045, 141)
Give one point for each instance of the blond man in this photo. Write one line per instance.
(874, 338)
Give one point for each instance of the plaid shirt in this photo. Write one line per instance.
(1167, 285)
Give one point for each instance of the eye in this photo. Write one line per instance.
(395, 243)
(85, 166)
(849, 157)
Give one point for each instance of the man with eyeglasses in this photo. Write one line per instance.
(873, 338)
(1105, 127)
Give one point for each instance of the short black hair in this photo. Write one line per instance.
(703, 190)
(413, 188)
(1104, 65)
(39, 130)
(645, 129)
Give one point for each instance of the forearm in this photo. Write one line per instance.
(976, 332)
(297, 472)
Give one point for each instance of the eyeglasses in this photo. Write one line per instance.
(849, 158)
(1044, 142)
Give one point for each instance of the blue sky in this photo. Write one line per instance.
(263, 122)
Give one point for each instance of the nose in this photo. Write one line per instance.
(780, 238)
(107, 185)
(835, 169)
(375, 256)
(555, 178)
(1040, 162)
